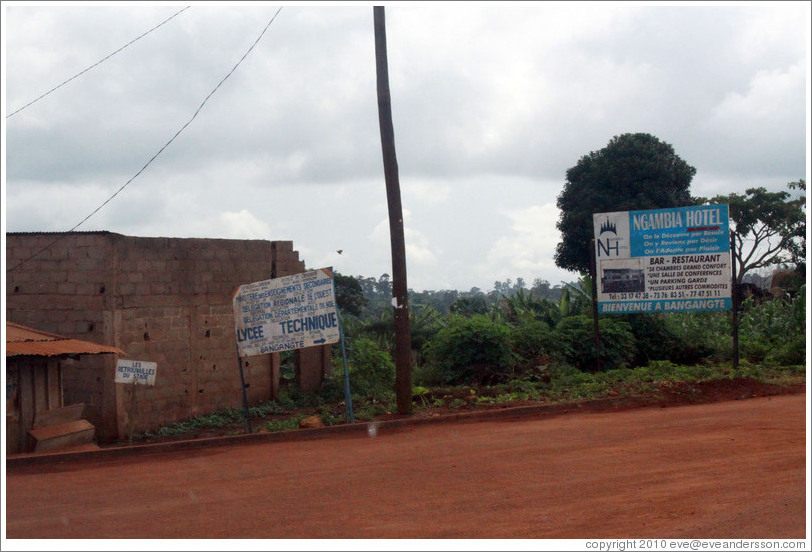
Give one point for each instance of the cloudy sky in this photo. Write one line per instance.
(492, 103)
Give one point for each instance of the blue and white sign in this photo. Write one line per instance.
(286, 313)
(663, 260)
(136, 371)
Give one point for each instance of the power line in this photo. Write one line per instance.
(97, 63)
(109, 199)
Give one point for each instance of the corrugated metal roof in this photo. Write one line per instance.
(24, 341)
(16, 333)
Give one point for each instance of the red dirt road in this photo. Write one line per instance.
(733, 469)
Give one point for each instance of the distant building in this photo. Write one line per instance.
(162, 300)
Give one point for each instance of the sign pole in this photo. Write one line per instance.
(131, 419)
(734, 296)
(594, 291)
(244, 395)
(131, 372)
(347, 394)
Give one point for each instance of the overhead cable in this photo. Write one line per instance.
(109, 199)
(97, 63)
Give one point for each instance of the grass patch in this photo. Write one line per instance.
(551, 384)
(283, 425)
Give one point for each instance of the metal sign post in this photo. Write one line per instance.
(594, 291)
(245, 409)
(347, 394)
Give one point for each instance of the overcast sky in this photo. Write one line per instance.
(491, 102)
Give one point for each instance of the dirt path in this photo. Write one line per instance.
(732, 469)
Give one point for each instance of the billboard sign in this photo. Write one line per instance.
(287, 313)
(136, 371)
(663, 260)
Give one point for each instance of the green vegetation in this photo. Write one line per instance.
(472, 350)
(536, 344)
(634, 171)
(520, 352)
(768, 227)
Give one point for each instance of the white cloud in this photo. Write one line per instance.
(492, 103)
(765, 34)
(426, 192)
(767, 92)
(755, 133)
(242, 225)
(419, 252)
(530, 246)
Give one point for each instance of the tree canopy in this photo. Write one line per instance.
(769, 228)
(349, 294)
(633, 172)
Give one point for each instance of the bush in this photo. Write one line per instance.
(698, 336)
(531, 343)
(653, 337)
(790, 353)
(371, 374)
(427, 375)
(372, 371)
(472, 350)
(575, 339)
(774, 330)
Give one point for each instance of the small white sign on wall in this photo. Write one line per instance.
(136, 371)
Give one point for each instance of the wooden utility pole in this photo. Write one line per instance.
(400, 299)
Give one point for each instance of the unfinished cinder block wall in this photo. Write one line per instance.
(163, 300)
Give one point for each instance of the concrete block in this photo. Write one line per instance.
(86, 289)
(60, 436)
(66, 288)
(61, 415)
(58, 276)
(90, 265)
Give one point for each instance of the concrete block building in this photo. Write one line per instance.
(162, 300)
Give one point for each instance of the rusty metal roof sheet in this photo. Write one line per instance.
(24, 341)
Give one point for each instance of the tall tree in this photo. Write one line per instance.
(769, 228)
(349, 294)
(798, 249)
(633, 172)
(469, 306)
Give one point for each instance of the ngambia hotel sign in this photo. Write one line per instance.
(663, 260)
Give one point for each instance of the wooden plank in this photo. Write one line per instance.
(26, 404)
(14, 432)
(40, 386)
(54, 390)
(61, 436)
(62, 415)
